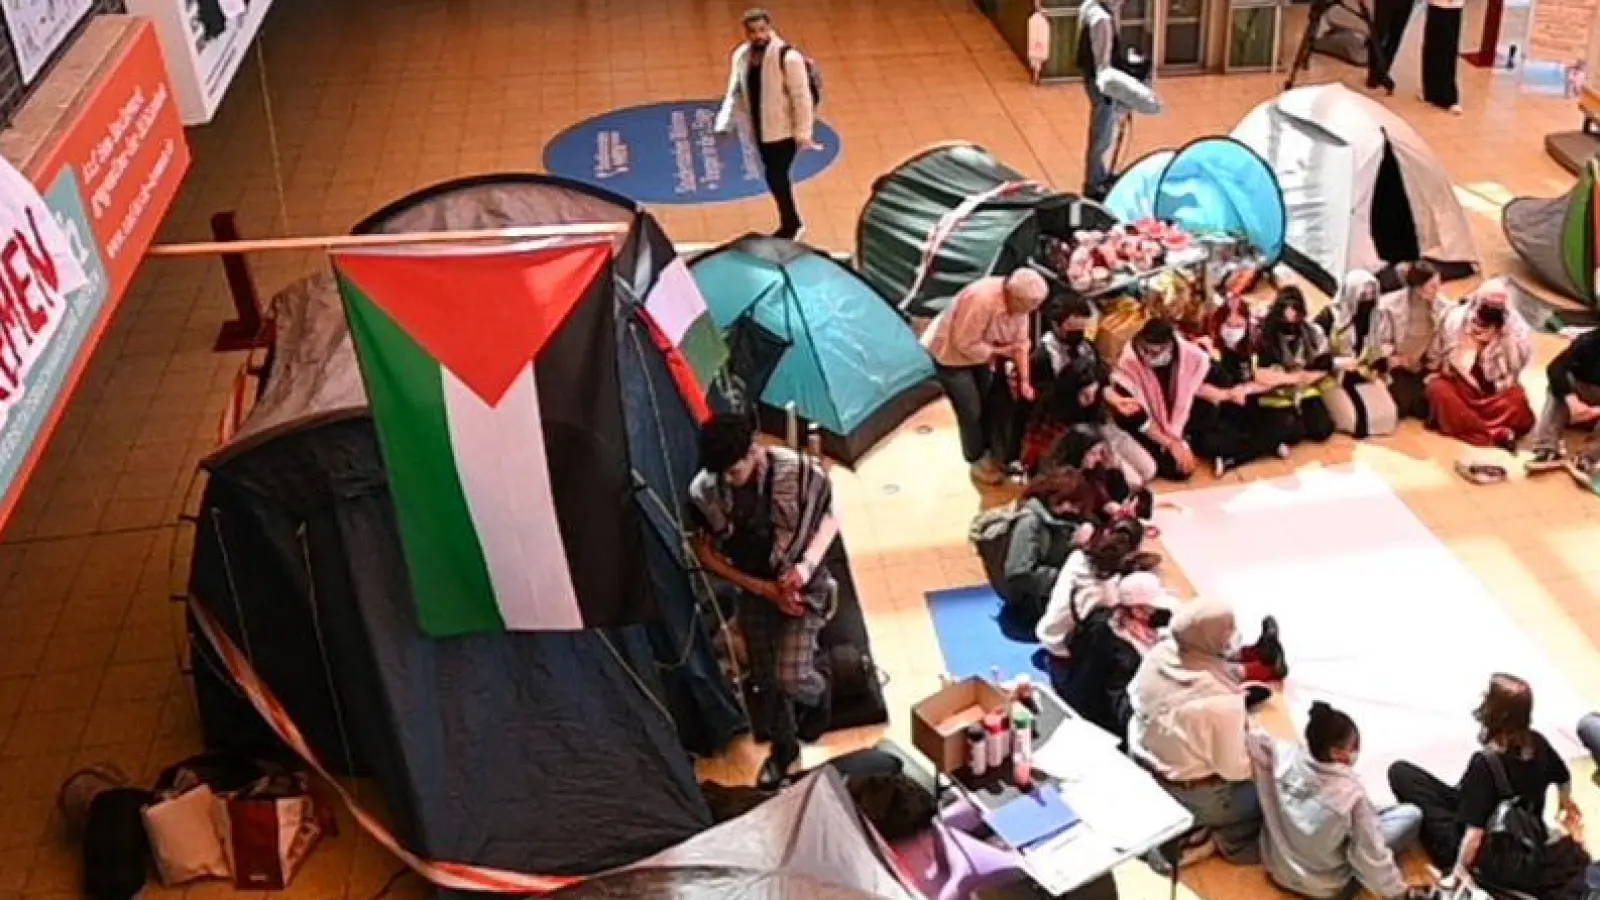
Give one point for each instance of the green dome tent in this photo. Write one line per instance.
(1559, 238)
(952, 214)
(852, 367)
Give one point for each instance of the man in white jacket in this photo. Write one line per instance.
(771, 87)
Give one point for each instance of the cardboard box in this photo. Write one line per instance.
(939, 723)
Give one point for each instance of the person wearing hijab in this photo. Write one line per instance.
(1190, 720)
(984, 328)
(1154, 387)
(1483, 346)
(1407, 327)
(1295, 361)
(1323, 838)
(1234, 430)
(1360, 404)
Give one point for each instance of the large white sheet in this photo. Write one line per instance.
(1379, 618)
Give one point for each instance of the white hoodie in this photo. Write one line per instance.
(786, 110)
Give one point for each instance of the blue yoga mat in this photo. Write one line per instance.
(967, 623)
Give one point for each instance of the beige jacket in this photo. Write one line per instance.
(786, 109)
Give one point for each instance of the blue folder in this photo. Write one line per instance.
(1033, 817)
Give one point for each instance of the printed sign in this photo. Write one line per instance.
(38, 28)
(667, 153)
(205, 42)
(1560, 30)
(107, 183)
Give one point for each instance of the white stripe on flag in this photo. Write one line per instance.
(675, 301)
(505, 475)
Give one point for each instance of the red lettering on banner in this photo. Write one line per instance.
(10, 325)
(20, 283)
(40, 260)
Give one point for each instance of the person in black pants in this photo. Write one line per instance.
(770, 85)
(1234, 430)
(1389, 21)
(1516, 762)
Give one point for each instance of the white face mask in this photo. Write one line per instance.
(1232, 335)
(1162, 357)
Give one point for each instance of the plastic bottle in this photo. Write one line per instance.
(977, 750)
(1022, 747)
(996, 739)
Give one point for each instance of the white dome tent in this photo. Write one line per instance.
(1362, 188)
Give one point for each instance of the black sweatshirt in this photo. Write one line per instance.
(1579, 362)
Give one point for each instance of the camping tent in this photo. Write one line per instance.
(852, 367)
(1560, 238)
(954, 213)
(1212, 185)
(472, 740)
(1362, 188)
(809, 841)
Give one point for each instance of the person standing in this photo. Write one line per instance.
(1441, 44)
(1389, 21)
(985, 326)
(1574, 377)
(770, 85)
(1099, 48)
(764, 522)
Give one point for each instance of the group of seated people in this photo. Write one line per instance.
(1246, 386)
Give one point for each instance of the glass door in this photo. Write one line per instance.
(1183, 34)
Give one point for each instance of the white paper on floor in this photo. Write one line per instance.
(1379, 618)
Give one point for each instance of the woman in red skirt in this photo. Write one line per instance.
(1483, 347)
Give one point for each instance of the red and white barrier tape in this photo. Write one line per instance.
(449, 875)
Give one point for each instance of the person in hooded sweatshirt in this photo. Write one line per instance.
(1056, 517)
(1360, 404)
(1323, 838)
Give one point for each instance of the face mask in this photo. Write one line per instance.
(1232, 335)
(1158, 358)
(1072, 338)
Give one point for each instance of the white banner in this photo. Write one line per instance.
(38, 28)
(205, 42)
(39, 269)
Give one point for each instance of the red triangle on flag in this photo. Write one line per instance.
(484, 316)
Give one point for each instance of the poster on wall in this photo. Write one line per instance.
(1559, 32)
(205, 42)
(38, 28)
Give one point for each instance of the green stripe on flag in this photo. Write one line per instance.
(704, 349)
(449, 574)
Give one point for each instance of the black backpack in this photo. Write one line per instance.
(813, 74)
(1513, 852)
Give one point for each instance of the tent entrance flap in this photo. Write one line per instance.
(1394, 228)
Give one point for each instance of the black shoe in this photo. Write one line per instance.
(776, 768)
(1255, 695)
(1269, 648)
(811, 722)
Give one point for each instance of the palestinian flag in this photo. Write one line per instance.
(675, 305)
(492, 376)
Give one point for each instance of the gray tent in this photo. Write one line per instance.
(808, 843)
(1558, 238)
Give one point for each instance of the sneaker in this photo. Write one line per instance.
(1544, 459)
(1195, 848)
(1255, 695)
(1456, 110)
(1282, 451)
(984, 471)
(776, 768)
(1269, 648)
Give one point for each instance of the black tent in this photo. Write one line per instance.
(954, 213)
(474, 741)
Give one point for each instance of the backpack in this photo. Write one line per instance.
(990, 534)
(813, 74)
(1513, 854)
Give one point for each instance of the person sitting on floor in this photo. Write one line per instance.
(1067, 378)
(1235, 430)
(1323, 838)
(1190, 720)
(1574, 378)
(1360, 404)
(1056, 516)
(1154, 388)
(1100, 624)
(1294, 359)
(985, 327)
(1483, 345)
(1113, 463)
(1514, 762)
(1407, 326)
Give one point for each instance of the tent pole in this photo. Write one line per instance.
(358, 241)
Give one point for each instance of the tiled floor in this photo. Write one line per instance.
(374, 99)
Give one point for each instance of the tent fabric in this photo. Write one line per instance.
(1557, 237)
(809, 841)
(903, 251)
(1327, 145)
(1212, 185)
(853, 368)
(471, 740)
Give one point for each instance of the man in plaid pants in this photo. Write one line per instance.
(765, 520)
